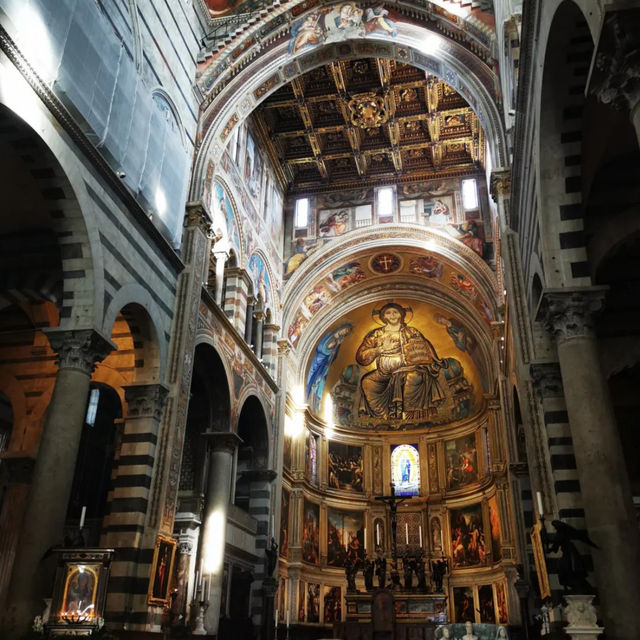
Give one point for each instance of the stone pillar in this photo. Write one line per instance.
(125, 527)
(257, 339)
(223, 446)
(603, 477)
(269, 348)
(46, 510)
(237, 292)
(248, 326)
(221, 259)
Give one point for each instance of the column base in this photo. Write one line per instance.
(582, 618)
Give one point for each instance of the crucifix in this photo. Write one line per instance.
(392, 502)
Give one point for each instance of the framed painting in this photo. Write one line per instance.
(164, 555)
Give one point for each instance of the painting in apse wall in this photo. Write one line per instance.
(405, 469)
(332, 604)
(494, 523)
(313, 602)
(310, 532)
(345, 466)
(468, 547)
(461, 461)
(485, 604)
(463, 604)
(391, 365)
(284, 524)
(345, 537)
(301, 600)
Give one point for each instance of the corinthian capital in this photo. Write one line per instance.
(568, 313)
(79, 348)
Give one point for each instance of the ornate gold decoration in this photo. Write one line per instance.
(367, 110)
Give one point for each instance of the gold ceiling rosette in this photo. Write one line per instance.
(367, 110)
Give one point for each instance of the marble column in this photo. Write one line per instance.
(600, 462)
(257, 339)
(222, 446)
(221, 259)
(46, 510)
(248, 327)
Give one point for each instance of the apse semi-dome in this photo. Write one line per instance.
(395, 364)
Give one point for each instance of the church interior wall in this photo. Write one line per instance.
(200, 378)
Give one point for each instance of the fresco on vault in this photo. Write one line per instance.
(260, 277)
(388, 365)
(340, 22)
(223, 215)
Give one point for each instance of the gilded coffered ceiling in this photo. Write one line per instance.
(361, 122)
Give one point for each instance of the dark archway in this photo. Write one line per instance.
(94, 465)
(253, 454)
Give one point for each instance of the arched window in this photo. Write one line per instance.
(405, 469)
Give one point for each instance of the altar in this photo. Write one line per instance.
(383, 614)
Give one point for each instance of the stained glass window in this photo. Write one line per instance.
(405, 469)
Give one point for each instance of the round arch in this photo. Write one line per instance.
(146, 312)
(59, 180)
(273, 68)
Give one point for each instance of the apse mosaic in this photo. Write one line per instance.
(322, 293)
(393, 365)
(405, 469)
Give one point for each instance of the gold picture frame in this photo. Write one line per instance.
(164, 555)
(540, 561)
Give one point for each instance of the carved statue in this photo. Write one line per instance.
(367, 572)
(351, 571)
(421, 574)
(408, 572)
(381, 571)
(272, 557)
(468, 627)
(572, 573)
(438, 570)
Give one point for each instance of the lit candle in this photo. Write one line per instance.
(275, 620)
(377, 534)
(273, 526)
(420, 532)
(196, 580)
(406, 532)
(365, 538)
(208, 588)
(287, 618)
(540, 508)
(84, 513)
(441, 541)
